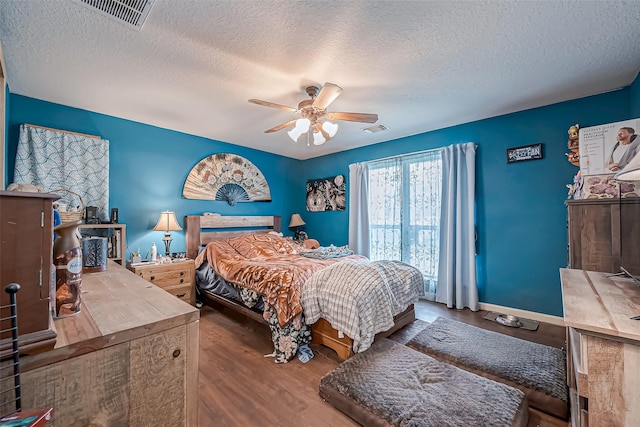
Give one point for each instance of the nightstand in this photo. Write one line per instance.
(177, 278)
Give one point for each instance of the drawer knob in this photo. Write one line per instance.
(153, 277)
(182, 273)
(176, 352)
(181, 295)
(181, 280)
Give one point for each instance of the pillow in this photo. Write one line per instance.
(311, 244)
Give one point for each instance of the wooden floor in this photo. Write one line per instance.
(240, 387)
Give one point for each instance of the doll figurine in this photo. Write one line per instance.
(574, 145)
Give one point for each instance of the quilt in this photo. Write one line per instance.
(366, 302)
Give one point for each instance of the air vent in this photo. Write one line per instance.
(379, 127)
(132, 13)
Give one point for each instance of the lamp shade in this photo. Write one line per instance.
(302, 126)
(318, 138)
(330, 128)
(631, 172)
(167, 222)
(296, 221)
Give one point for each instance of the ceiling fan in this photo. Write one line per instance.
(314, 117)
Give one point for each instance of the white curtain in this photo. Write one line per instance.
(404, 212)
(358, 209)
(54, 160)
(457, 285)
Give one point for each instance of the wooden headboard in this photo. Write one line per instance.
(196, 226)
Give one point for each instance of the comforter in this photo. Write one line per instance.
(269, 265)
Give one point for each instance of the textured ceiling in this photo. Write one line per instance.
(421, 65)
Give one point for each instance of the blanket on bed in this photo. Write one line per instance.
(267, 264)
(360, 298)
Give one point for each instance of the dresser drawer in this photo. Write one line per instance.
(177, 278)
(168, 278)
(184, 292)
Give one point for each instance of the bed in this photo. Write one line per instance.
(241, 263)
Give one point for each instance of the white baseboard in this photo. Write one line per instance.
(547, 318)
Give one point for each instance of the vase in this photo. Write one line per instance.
(94, 254)
(67, 258)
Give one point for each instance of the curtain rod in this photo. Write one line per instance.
(400, 155)
(411, 154)
(64, 131)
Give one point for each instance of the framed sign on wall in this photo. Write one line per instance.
(524, 152)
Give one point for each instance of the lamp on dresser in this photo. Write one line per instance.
(167, 223)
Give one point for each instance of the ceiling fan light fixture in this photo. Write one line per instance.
(302, 126)
(294, 134)
(330, 128)
(318, 139)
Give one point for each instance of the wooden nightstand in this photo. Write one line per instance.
(177, 278)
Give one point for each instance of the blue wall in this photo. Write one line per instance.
(148, 167)
(521, 217)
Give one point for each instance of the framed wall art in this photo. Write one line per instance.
(326, 194)
(524, 152)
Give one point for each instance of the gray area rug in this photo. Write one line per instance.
(535, 366)
(528, 324)
(408, 388)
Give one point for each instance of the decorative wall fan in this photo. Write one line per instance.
(314, 117)
(227, 177)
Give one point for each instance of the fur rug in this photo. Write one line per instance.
(393, 384)
(535, 366)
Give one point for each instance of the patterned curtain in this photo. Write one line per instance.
(404, 212)
(58, 160)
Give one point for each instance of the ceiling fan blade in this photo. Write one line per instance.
(327, 95)
(279, 127)
(273, 105)
(353, 117)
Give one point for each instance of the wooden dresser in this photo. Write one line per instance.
(603, 234)
(129, 358)
(177, 278)
(603, 357)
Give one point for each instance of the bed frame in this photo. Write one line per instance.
(200, 230)
(323, 333)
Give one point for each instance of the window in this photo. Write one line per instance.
(404, 211)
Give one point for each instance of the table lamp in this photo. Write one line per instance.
(167, 223)
(297, 222)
